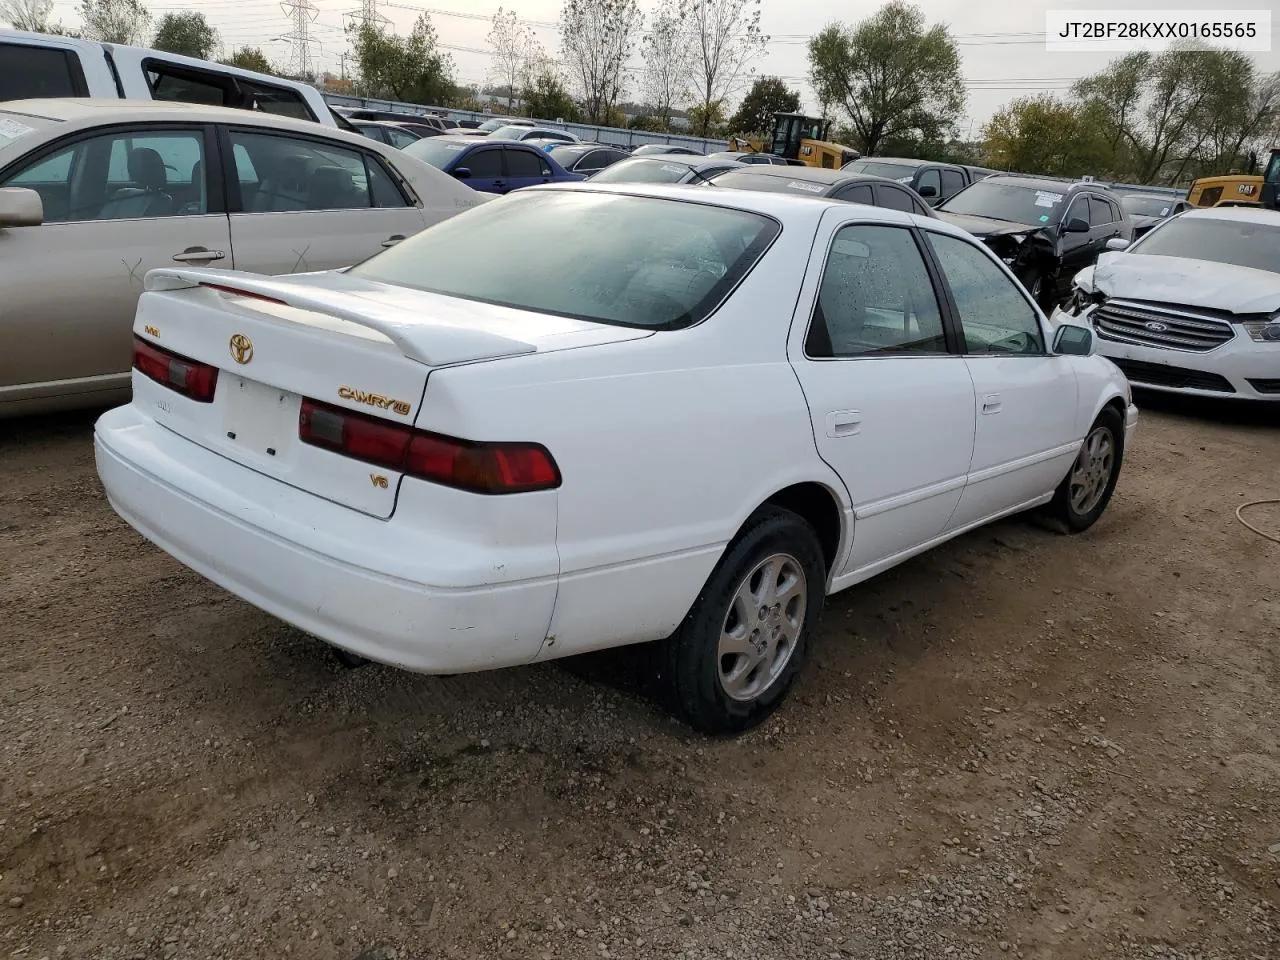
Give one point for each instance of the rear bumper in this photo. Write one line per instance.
(268, 544)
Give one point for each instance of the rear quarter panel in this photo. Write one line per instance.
(666, 445)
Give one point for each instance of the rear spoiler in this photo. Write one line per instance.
(432, 344)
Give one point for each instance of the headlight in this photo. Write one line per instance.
(1080, 301)
(1264, 331)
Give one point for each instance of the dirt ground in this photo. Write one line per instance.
(1023, 745)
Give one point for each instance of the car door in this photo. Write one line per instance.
(890, 397)
(952, 183)
(1078, 249)
(1025, 397)
(894, 197)
(118, 203)
(310, 203)
(930, 179)
(525, 167)
(488, 175)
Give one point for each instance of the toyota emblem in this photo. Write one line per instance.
(241, 348)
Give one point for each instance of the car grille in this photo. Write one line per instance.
(1161, 375)
(1131, 321)
(1265, 386)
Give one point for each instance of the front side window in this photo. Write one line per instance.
(952, 182)
(895, 199)
(994, 314)
(617, 259)
(858, 194)
(294, 174)
(524, 163)
(875, 299)
(121, 176)
(1101, 213)
(930, 178)
(484, 164)
(401, 138)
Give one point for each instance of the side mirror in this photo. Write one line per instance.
(1117, 243)
(1073, 340)
(462, 173)
(20, 207)
(1076, 225)
(928, 190)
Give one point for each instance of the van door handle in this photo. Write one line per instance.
(392, 240)
(843, 423)
(198, 253)
(991, 403)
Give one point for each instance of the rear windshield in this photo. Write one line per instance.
(766, 183)
(643, 170)
(1242, 242)
(622, 260)
(903, 172)
(1006, 201)
(1147, 206)
(435, 151)
(15, 125)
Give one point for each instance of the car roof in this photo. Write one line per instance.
(822, 175)
(692, 162)
(1246, 214)
(901, 161)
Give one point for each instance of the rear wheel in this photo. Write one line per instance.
(1086, 489)
(732, 661)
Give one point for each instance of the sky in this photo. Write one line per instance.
(1001, 44)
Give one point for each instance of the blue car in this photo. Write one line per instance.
(490, 166)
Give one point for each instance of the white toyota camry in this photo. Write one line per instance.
(585, 416)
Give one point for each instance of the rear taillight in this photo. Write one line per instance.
(464, 464)
(188, 377)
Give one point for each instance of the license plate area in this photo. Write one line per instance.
(260, 419)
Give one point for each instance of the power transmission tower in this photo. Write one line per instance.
(301, 14)
(368, 16)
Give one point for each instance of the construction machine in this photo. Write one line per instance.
(797, 137)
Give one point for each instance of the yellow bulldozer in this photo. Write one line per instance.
(801, 139)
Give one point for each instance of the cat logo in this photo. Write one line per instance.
(378, 480)
(374, 400)
(151, 331)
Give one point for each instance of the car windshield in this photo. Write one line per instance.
(1139, 206)
(511, 131)
(768, 183)
(621, 260)
(644, 170)
(494, 124)
(1017, 203)
(894, 171)
(435, 150)
(1244, 243)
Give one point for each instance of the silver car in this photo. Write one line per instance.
(94, 193)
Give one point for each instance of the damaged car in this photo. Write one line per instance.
(1193, 307)
(1045, 230)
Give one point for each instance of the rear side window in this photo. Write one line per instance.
(181, 84)
(34, 72)
(859, 194)
(280, 174)
(895, 199)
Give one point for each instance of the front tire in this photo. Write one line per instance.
(735, 656)
(1086, 489)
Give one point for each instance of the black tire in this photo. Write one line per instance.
(1040, 286)
(691, 660)
(1062, 507)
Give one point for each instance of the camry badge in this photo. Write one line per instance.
(1155, 326)
(241, 348)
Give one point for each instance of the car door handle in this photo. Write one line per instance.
(991, 403)
(392, 240)
(844, 423)
(198, 253)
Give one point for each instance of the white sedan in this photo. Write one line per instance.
(1193, 307)
(675, 414)
(94, 193)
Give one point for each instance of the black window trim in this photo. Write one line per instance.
(951, 332)
(216, 198)
(79, 85)
(229, 82)
(952, 311)
(234, 200)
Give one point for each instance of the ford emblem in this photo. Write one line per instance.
(1155, 326)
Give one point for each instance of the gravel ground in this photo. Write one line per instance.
(1021, 745)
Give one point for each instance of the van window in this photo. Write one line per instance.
(34, 72)
(182, 84)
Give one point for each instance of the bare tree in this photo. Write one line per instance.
(512, 46)
(596, 38)
(665, 53)
(724, 37)
(30, 15)
(115, 21)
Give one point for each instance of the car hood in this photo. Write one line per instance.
(1194, 283)
(985, 226)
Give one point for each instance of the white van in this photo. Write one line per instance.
(38, 65)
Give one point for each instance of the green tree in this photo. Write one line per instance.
(723, 38)
(1043, 135)
(411, 69)
(114, 21)
(596, 38)
(544, 92)
(707, 120)
(511, 47)
(647, 124)
(189, 34)
(767, 96)
(896, 78)
(32, 15)
(251, 58)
